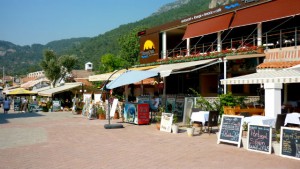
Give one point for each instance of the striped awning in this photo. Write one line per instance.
(268, 76)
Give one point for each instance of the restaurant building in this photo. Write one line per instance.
(241, 38)
(225, 42)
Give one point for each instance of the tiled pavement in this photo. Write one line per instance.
(62, 140)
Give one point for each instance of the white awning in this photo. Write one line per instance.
(67, 86)
(105, 76)
(166, 70)
(271, 76)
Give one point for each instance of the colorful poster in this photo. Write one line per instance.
(130, 111)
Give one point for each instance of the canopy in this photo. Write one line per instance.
(267, 76)
(208, 26)
(130, 76)
(166, 70)
(67, 86)
(105, 76)
(20, 91)
(266, 12)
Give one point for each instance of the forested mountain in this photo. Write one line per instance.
(19, 60)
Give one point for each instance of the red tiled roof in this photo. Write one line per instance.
(86, 82)
(82, 73)
(274, 65)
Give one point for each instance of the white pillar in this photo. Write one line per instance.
(272, 99)
(164, 45)
(188, 47)
(219, 46)
(259, 34)
(225, 75)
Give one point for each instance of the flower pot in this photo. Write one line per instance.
(245, 133)
(102, 116)
(276, 147)
(175, 128)
(244, 142)
(190, 131)
(158, 125)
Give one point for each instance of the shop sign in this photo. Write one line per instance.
(149, 49)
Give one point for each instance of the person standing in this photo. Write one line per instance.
(6, 105)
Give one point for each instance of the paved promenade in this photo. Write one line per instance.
(61, 140)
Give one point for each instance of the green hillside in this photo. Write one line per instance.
(19, 60)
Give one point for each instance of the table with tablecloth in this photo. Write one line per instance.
(201, 116)
(292, 118)
(261, 120)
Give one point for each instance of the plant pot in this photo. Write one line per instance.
(190, 131)
(276, 147)
(102, 116)
(244, 142)
(245, 133)
(116, 115)
(158, 125)
(175, 128)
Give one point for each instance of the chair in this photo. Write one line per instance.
(213, 118)
(279, 121)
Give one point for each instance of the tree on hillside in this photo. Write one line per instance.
(57, 67)
(109, 62)
(130, 46)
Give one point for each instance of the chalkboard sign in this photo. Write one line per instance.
(259, 138)
(290, 142)
(231, 129)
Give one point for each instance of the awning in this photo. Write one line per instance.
(33, 83)
(130, 76)
(267, 76)
(166, 70)
(20, 91)
(105, 76)
(208, 26)
(266, 12)
(59, 89)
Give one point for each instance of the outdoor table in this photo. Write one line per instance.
(201, 116)
(292, 118)
(261, 120)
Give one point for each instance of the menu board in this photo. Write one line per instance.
(231, 129)
(290, 142)
(56, 106)
(166, 122)
(259, 138)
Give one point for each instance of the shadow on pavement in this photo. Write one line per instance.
(4, 117)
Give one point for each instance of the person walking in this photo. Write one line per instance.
(6, 105)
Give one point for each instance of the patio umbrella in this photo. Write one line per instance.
(20, 91)
(130, 76)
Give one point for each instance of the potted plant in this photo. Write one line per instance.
(158, 120)
(244, 134)
(175, 126)
(276, 143)
(189, 128)
(101, 113)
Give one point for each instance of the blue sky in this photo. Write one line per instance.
(26, 22)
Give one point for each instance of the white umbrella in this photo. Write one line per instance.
(130, 76)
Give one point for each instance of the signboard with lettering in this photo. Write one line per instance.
(231, 129)
(259, 138)
(143, 114)
(290, 142)
(166, 122)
